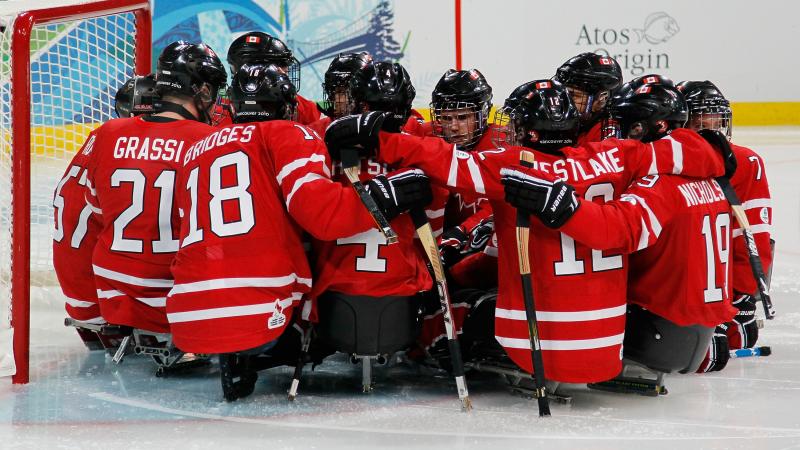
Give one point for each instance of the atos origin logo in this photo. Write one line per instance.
(632, 47)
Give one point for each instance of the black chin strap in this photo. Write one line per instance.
(177, 109)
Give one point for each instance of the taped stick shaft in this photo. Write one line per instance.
(351, 165)
(523, 241)
(750, 244)
(425, 234)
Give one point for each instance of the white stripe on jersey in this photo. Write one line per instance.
(308, 178)
(644, 238)
(757, 203)
(434, 214)
(231, 311)
(79, 303)
(156, 302)
(452, 176)
(300, 162)
(653, 164)
(130, 279)
(576, 344)
(760, 228)
(677, 155)
(475, 174)
(563, 316)
(655, 225)
(94, 209)
(231, 283)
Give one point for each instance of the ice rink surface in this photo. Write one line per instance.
(78, 399)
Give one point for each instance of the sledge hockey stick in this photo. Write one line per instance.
(750, 244)
(425, 234)
(756, 351)
(523, 238)
(298, 368)
(351, 165)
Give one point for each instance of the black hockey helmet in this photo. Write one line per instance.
(337, 81)
(461, 92)
(190, 70)
(591, 78)
(261, 92)
(539, 115)
(708, 108)
(137, 96)
(649, 111)
(257, 47)
(384, 86)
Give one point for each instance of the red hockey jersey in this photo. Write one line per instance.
(74, 238)
(680, 230)
(132, 172)
(580, 292)
(591, 135)
(247, 192)
(307, 111)
(751, 186)
(363, 264)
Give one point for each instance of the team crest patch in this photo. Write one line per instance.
(764, 214)
(278, 318)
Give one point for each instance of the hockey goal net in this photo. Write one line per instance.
(60, 69)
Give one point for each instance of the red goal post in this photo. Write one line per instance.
(124, 26)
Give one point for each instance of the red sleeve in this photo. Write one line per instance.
(307, 111)
(325, 209)
(683, 152)
(460, 171)
(632, 222)
(752, 188)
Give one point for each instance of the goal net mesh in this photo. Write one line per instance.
(75, 69)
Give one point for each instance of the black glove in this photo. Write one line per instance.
(400, 191)
(718, 352)
(554, 202)
(454, 241)
(480, 234)
(720, 142)
(743, 331)
(356, 131)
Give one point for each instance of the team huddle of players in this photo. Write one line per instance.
(227, 223)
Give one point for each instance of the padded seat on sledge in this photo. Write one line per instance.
(662, 345)
(364, 325)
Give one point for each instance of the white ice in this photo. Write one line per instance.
(78, 399)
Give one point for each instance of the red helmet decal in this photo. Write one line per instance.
(473, 74)
(544, 85)
(605, 61)
(643, 90)
(652, 79)
(253, 39)
(534, 135)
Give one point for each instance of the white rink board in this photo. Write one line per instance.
(747, 48)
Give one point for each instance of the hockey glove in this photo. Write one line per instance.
(554, 202)
(743, 330)
(453, 242)
(720, 142)
(400, 191)
(718, 352)
(480, 234)
(356, 131)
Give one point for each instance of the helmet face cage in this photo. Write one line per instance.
(460, 123)
(711, 113)
(336, 95)
(293, 72)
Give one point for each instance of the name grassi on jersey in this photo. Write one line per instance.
(148, 149)
(701, 192)
(237, 133)
(584, 169)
